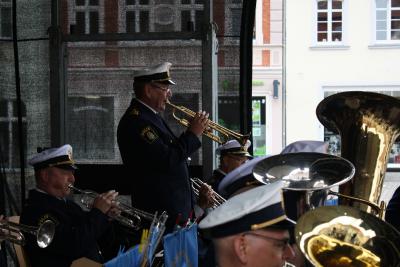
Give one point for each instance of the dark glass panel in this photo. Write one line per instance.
(395, 3)
(199, 20)
(236, 19)
(395, 35)
(94, 2)
(337, 4)
(15, 109)
(80, 2)
(129, 2)
(186, 23)
(322, 37)
(337, 16)
(144, 2)
(80, 23)
(337, 26)
(322, 4)
(322, 16)
(336, 37)
(5, 18)
(130, 21)
(322, 26)
(395, 25)
(94, 22)
(395, 14)
(144, 21)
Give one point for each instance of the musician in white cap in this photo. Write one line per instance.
(231, 155)
(251, 229)
(78, 233)
(155, 157)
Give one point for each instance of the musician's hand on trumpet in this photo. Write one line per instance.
(199, 123)
(107, 204)
(206, 196)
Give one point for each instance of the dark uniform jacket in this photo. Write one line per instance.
(392, 214)
(76, 235)
(216, 179)
(156, 159)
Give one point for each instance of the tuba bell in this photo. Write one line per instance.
(368, 124)
(333, 236)
(307, 178)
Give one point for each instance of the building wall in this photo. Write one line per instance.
(310, 69)
(267, 67)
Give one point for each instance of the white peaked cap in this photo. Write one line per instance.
(159, 73)
(239, 177)
(54, 157)
(254, 209)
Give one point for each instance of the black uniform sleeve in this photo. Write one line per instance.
(74, 240)
(392, 214)
(164, 151)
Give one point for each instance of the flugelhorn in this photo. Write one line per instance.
(216, 200)
(13, 232)
(226, 134)
(130, 216)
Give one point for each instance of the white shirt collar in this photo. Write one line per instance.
(155, 112)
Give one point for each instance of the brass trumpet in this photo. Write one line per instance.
(226, 133)
(130, 216)
(13, 232)
(217, 199)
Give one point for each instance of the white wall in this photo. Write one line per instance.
(309, 68)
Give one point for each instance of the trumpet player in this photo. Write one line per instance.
(155, 156)
(231, 155)
(78, 233)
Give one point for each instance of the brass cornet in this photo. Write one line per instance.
(130, 216)
(13, 232)
(226, 134)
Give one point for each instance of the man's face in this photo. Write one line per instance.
(268, 248)
(231, 162)
(159, 94)
(56, 181)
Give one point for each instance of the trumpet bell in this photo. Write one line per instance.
(307, 178)
(333, 236)
(45, 233)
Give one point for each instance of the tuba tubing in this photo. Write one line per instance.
(368, 124)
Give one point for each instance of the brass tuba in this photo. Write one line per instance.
(334, 236)
(368, 124)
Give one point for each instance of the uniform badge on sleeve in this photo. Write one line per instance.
(135, 112)
(47, 217)
(149, 134)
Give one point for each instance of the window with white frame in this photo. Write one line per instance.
(86, 15)
(329, 21)
(387, 20)
(146, 16)
(5, 19)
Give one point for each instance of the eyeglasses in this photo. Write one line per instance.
(280, 243)
(164, 89)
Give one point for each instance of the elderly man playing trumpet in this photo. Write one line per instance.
(78, 233)
(154, 155)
